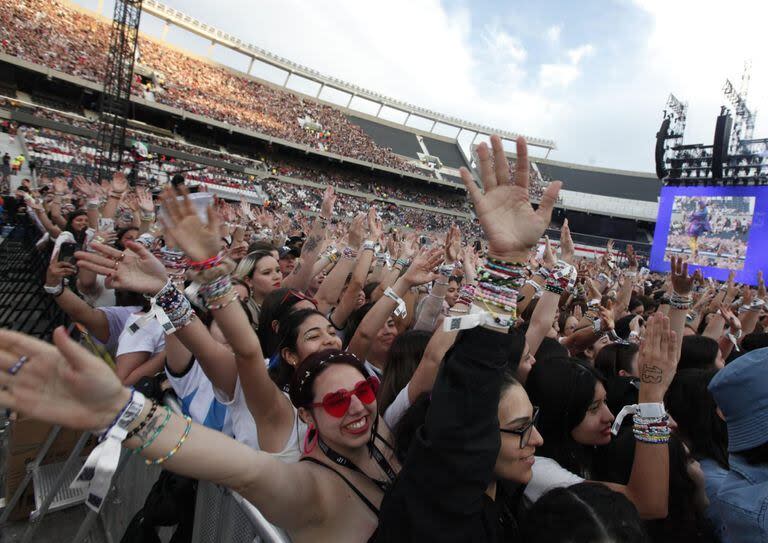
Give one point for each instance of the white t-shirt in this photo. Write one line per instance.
(101, 296)
(117, 316)
(245, 431)
(548, 474)
(195, 392)
(150, 338)
(397, 408)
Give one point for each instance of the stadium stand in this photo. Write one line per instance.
(397, 140)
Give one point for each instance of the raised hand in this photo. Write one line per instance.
(136, 269)
(84, 186)
(245, 210)
(453, 244)
(329, 199)
(131, 201)
(199, 241)
(657, 360)
(374, 225)
(357, 231)
(567, 249)
(549, 256)
(760, 285)
(60, 186)
(62, 384)
(144, 198)
(57, 271)
(422, 269)
(682, 283)
(509, 221)
(119, 183)
(631, 258)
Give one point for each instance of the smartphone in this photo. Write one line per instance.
(67, 253)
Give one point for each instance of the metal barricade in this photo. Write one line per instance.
(222, 515)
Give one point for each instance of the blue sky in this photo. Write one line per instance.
(592, 75)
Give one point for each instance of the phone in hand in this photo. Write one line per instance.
(67, 253)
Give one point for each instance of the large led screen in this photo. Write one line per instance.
(717, 229)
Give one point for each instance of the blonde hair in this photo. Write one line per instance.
(248, 264)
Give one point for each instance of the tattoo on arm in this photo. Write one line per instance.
(311, 244)
(651, 374)
(152, 425)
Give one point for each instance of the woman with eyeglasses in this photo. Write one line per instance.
(575, 418)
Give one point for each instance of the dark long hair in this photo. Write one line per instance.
(691, 404)
(563, 389)
(288, 337)
(583, 512)
(684, 522)
(615, 357)
(402, 359)
(698, 352)
(277, 304)
(79, 236)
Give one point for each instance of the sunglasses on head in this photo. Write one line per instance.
(337, 403)
(298, 297)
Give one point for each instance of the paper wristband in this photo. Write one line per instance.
(100, 466)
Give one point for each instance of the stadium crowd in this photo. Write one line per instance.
(360, 383)
(360, 370)
(54, 34)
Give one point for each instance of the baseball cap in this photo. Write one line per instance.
(740, 390)
(289, 251)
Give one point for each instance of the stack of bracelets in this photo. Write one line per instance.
(176, 264)
(175, 305)
(757, 305)
(215, 281)
(157, 432)
(561, 279)
(651, 429)
(497, 285)
(680, 302)
(349, 253)
(466, 296)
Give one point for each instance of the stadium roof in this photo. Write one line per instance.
(187, 22)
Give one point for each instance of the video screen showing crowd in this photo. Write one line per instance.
(360, 372)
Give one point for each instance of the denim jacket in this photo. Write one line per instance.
(742, 502)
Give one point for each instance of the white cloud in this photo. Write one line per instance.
(553, 33)
(557, 75)
(564, 73)
(576, 55)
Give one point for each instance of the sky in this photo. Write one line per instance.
(591, 75)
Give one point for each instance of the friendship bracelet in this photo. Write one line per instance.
(160, 428)
(173, 451)
(206, 264)
(349, 252)
(143, 424)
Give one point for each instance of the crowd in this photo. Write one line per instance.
(54, 34)
(360, 383)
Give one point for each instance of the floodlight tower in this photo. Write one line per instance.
(118, 77)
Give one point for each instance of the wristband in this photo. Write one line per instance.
(100, 466)
(400, 310)
(369, 245)
(642, 410)
(55, 291)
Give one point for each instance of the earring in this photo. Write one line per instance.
(310, 439)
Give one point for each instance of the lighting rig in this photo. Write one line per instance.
(734, 157)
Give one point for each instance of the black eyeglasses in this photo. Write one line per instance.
(525, 430)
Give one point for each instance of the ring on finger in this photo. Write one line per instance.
(13, 370)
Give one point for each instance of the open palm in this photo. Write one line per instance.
(65, 385)
(199, 241)
(137, 270)
(510, 223)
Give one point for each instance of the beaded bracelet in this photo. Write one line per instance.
(143, 424)
(680, 302)
(159, 430)
(349, 252)
(175, 449)
(175, 305)
(208, 263)
(505, 263)
(369, 245)
(554, 289)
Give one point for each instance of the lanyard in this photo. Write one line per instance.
(347, 463)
